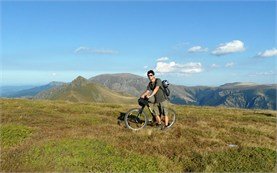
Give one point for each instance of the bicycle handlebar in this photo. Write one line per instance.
(147, 99)
(143, 101)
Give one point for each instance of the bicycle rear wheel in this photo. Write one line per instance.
(171, 117)
(135, 120)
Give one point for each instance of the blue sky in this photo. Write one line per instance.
(188, 43)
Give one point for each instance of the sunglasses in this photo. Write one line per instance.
(150, 75)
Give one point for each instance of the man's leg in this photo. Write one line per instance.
(166, 120)
(158, 119)
(165, 112)
(157, 113)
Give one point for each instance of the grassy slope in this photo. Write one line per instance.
(65, 136)
(91, 92)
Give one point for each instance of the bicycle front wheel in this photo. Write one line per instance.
(135, 120)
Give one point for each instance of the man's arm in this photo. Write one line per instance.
(154, 92)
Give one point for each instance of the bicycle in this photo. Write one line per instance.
(136, 118)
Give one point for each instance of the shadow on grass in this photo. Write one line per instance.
(120, 119)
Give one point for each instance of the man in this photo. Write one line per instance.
(155, 85)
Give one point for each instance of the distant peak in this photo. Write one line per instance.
(79, 81)
(80, 78)
(122, 75)
(126, 75)
(238, 84)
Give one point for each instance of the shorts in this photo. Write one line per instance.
(161, 108)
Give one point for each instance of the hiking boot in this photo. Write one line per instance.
(159, 126)
(151, 123)
(165, 127)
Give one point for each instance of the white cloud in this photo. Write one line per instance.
(163, 59)
(269, 73)
(268, 53)
(229, 64)
(105, 51)
(214, 66)
(145, 66)
(54, 74)
(172, 67)
(83, 49)
(230, 47)
(164, 67)
(195, 49)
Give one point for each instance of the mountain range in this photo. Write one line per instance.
(30, 92)
(238, 94)
(82, 90)
(125, 88)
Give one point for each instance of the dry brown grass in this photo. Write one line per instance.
(199, 140)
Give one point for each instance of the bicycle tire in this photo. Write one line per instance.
(172, 117)
(132, 117)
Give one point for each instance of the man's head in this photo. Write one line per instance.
(151, 75)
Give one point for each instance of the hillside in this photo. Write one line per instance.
(81, 90)
(31, 92)
(51, 136)
(7, 90)
(123, 82)
(238, 94)
(241, 96)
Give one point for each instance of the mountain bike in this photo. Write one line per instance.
(137, 118)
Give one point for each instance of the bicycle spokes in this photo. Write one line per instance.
(171, 117)
(135, 119)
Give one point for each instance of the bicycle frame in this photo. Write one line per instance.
(146, 120)
(150, 110)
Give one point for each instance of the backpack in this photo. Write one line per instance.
(165, 88)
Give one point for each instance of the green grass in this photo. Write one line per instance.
(82, 137)
(12, 134)
(89, 155)
(242, 160)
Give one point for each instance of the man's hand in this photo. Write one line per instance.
(148, 96)
(145, 94)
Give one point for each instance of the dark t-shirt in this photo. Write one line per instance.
(159, 96)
